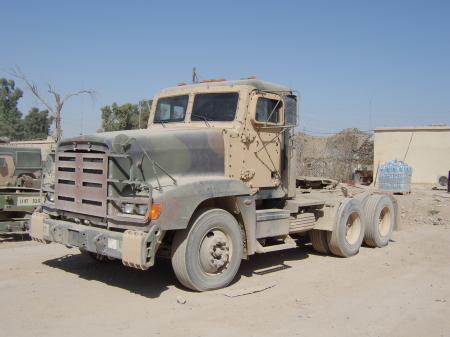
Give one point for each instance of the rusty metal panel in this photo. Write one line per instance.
(81, 183)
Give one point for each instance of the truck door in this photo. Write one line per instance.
(263, 141)
(7, 168)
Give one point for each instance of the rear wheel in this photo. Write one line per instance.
(207, 254)
(362, 198)
(380, 216)
(319, 241)
(348, 229)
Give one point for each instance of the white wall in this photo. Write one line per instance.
(425, 148)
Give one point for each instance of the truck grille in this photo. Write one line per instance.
(81, 183)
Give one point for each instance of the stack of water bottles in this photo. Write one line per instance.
(395, 176)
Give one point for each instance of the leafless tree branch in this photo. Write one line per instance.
(56, 110)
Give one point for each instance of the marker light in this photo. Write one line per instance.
(155, 211)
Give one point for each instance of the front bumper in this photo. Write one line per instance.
(136, 249)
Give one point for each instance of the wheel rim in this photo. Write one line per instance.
(384, 224)
(215, 251)
(353, 230)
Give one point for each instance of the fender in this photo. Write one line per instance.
(179, 202)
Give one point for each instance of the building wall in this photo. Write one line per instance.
(425, 148)
(46, 146)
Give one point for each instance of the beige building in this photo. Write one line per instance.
(425, 148)
(46, 146)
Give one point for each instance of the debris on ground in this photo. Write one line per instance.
(247, 291)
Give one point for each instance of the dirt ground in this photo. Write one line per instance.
(400, 290)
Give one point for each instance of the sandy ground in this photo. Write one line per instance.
(400, 290)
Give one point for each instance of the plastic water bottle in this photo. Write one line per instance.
(395, 176)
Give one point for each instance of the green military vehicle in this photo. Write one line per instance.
(211, 181)
(20, 180)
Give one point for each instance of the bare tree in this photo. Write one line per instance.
(54, 108)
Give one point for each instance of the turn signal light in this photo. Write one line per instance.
(182, 83)
(252, 77)
(155, 211)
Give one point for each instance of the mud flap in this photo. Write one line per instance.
(139, 248)
(37, 227)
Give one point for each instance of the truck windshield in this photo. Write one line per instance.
(215, 107)
(171, 109)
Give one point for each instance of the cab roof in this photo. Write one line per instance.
(258, 84)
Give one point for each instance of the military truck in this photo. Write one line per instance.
(211, 181)
(20, 174)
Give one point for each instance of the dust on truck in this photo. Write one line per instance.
(211, 181)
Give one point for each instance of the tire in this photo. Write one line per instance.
(362, 198)
(348, 229)
(380, 215)
(207, 254)
(319, 241)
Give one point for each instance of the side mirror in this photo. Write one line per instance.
(119, 143)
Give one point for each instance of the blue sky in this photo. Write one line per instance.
(357, 64)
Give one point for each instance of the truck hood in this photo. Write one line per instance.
(185, 152)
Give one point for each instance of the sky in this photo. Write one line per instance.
(360, 64)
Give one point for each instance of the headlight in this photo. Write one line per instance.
(128, 208)
(141, 209)
(51, 196)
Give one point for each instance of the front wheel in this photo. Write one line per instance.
(207, 254)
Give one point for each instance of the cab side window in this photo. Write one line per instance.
(268, 110)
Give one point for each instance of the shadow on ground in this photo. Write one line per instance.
(157, 279)
(148, 283)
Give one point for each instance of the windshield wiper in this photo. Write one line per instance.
(205, 119)
(162, 122)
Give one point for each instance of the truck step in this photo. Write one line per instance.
(288, 244)
(274, 248)
(271, 214)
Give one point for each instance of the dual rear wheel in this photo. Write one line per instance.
(366, 217)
